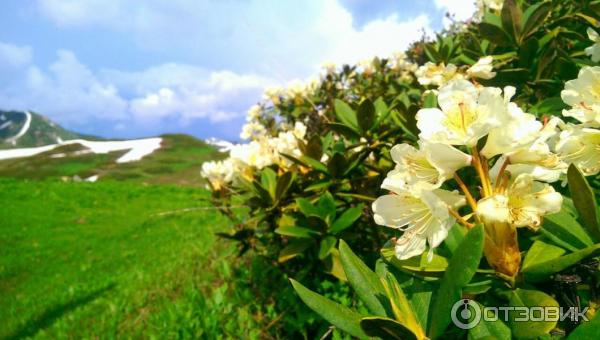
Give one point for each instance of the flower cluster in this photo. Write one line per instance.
(515, 191)
(440, 74)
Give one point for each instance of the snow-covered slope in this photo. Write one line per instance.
(138, 148)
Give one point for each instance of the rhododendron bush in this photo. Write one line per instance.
(466, 167)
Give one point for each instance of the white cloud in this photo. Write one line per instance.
(461, 10)
(13, 56)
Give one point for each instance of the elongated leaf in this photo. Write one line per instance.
(307, 208)
(365, 282)
(344, 130)
(366, 115)
(294, 231)
(489, 329)
(342, 317)
(327, 244)
(534, 17)
(587, 330)
(385, 328)
(461, 269)
(346, 114)
(294, 249)
(584, 200)
(511, 18)
(564, 230)
(541, 252)
(319, 185)
(315, 164)
(346, 219)
(314, 147)
(337, 165)
(494, 33)
(401, 308)
(416, 265)
(283, 184)
(530, 298)
(541, 271)
(268, 179)
(327, 208)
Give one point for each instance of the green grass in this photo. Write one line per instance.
(97, 259)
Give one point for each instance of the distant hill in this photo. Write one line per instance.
(46, 150)
(20, 129)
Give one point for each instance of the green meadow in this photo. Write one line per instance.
(117, 259)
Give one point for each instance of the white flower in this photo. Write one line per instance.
(466, 114)
(423, 215)
(433, 74)
(516, 129)
(367, 66)
(580, 145)
(253, 113)
(257, 153)
(494, 4)
(218, 173)
(427, 167)
(482, 69)
(583, 95)
(329, 67)
(273, 94)
(523, 204)
(594, 50)
(537, 158)
(252, 130)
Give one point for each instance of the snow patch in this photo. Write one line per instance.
(138, 148)
(222, 145)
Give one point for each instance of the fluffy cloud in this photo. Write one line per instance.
(460, 10)
(227, 52)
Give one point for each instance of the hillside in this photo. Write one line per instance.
(177, 161)
(28, 129)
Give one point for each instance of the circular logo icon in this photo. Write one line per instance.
(466, 314)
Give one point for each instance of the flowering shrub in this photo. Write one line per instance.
(479, 150)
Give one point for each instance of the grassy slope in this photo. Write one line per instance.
(83, 259)
(177, 162)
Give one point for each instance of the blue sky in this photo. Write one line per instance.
(122, 68)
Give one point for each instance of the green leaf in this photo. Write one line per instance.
(553, 105)
(511, 19)
(541, 271)
(268, 179)
(294, 249)
(416, 265)
(430, 99)
(327, 244)
(307, 208)
(455, 235)
(365, 282)
(342, 317)
(345, 114)
(346, 219)
(489, 329)
(401, 307)
(385, 328)
(564, 230)
(366, 115)
(315, 164)
(314, 147)
(584, 200)
(283, 185)
(541, 252)
(534, 17)
(343, 130)
(294, 231)
(318, 185)
(494, 34)
(326, 206)
(337, 165)
(261, 192)
(587, 330)
(530, 298)
(460, 271)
